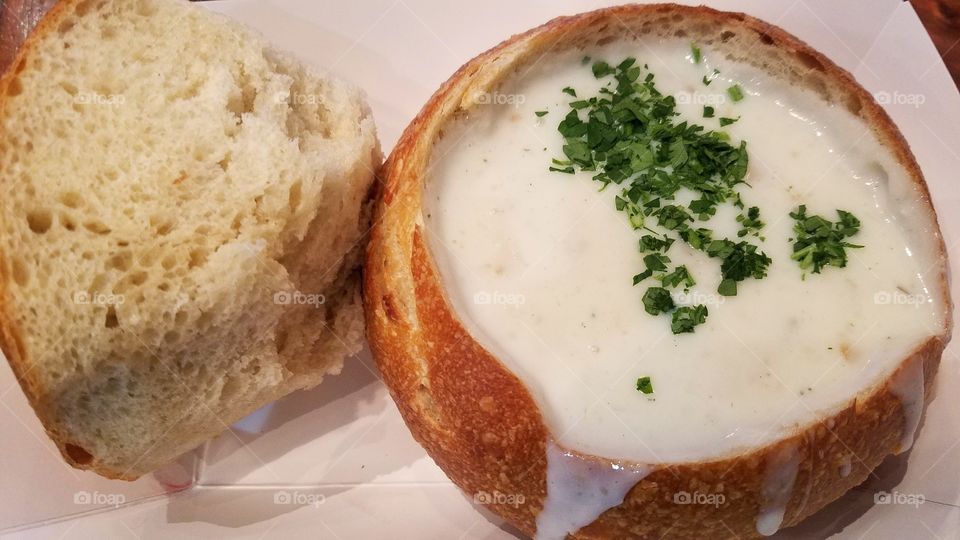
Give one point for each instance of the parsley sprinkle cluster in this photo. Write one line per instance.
(628, 135)
(821, 243)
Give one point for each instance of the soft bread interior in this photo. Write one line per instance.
(182, 208)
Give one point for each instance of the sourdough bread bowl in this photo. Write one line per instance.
(502, 316)
(182, 211)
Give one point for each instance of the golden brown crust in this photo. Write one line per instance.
(479, 422)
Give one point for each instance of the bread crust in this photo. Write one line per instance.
(478, 421)
(11, 341)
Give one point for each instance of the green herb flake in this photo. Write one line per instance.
(602, 69)
(653, 243)
(735, 92)
(707, 79)
(657, 300)
(540, 113)
(695, 53)
(570, 91)
(727, 287)
(680, 275)
(704, 208)
(654, 262)
(724, 122)
(707, 111)
(644, 385)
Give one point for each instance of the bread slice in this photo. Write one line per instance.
(182, 209)
(484, 425)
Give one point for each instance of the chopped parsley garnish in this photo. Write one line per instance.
(685, 318)
(735, 92)
(653, 243)
(728, 287)
(707, 79)
(750, 223)
(654, 263)
(695, 52)
(704, 208)
(628, 135)
(740, 262)
(820, 242)
(602, 69)
(679, 275)
(657, 300)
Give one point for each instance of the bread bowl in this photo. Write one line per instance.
(813, 399)
(182, 211)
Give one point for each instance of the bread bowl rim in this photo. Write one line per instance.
(412, 327)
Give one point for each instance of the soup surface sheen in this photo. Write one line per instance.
(539, 265)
